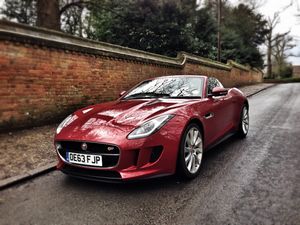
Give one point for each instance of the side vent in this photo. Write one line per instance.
(155, 154)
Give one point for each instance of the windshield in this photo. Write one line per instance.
(168, 87)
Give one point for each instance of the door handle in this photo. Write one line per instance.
(208, 115)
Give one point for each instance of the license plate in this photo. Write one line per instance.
(84, 159)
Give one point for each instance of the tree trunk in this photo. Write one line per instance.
(269, 53)
(48, 15)
(280, 69)
(269, 59)
(80, 23)
(219, 29)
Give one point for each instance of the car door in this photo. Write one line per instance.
(227, 108)
(217, 115)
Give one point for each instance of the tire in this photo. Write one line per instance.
(190, 152)
(244, 122)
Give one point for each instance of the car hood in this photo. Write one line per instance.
(117, 118)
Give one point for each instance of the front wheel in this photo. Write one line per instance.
(190, 152)
(244, 122)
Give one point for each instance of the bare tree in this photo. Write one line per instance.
(271, 38)
(282, 44)
(272, 23)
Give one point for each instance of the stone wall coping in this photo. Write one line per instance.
(237, 65)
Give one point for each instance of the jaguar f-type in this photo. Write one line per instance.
(160, 127)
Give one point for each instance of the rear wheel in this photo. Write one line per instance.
(244, 122)
(190, 152)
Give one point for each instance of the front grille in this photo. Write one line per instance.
(90, 174)
(92, 147)
(110, 153)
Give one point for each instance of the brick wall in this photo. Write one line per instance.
(44, 75)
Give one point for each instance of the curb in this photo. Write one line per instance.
(52, 166)
(256, 92)
(28, 175)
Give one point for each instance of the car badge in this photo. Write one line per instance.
(84, 146)
(110, 148)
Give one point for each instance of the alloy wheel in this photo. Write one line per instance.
(245, 120)
(193, 150)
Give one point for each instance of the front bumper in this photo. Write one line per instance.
(144, 158)
(109, 176)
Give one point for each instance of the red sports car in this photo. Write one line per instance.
(159, 127)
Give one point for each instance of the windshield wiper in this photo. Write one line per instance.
(147, 95)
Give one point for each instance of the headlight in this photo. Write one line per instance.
(149, 127)
(65, 122)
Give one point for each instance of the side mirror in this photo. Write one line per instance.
(122, 93)
(219, 91)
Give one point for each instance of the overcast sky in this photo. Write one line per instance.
(288, 20)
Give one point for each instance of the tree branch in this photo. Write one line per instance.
(83, 3)
(77, 4)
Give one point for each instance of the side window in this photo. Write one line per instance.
(212, 83)
(219, 84)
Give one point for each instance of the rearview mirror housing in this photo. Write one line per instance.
(219, 91)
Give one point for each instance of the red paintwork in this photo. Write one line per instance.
(111, 123)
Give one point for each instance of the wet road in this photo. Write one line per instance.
(250, 181)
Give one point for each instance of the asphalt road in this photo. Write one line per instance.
(250, 181)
